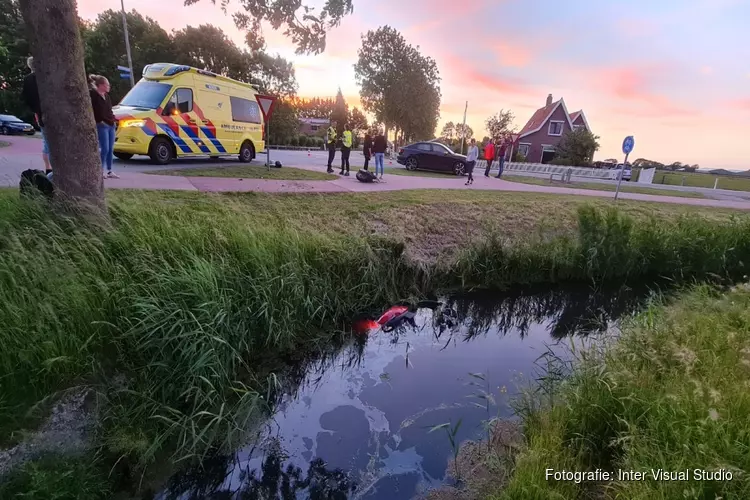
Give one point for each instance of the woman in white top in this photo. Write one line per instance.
(471, 160)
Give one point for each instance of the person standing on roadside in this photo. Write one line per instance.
(346, 149)
(379, 147)
(367, 149)
(471, 160)
(30, 96)
(502, 148)
(489, 155)
(331, 145)
(105, 122)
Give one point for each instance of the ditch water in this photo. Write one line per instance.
(355, 422)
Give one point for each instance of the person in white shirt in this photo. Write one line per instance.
(471, 160)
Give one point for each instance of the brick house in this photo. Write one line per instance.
(538, 138)
(313, 126)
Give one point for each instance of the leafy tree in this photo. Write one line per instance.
(207, 47)
(302, 23)
(340, 110)
(315, 107)
(13, 68)
(448, 133)
(104, 43)
(464, 132)
(284, 123)
(577, 147)
(357, 121)
(500, 125)
(63, 91)
(398, 85)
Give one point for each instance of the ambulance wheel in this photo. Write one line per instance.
(161, 151)
(247, 152)
(123, 156)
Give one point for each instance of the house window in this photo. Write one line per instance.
(577, 127)
(555, 128)
(524, 149)
(314, 128)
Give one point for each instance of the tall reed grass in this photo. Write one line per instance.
(171, 314)
(671, 394)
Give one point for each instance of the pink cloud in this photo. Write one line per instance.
(515, 55)
(738, 104)
(466, 74)
(633, 84)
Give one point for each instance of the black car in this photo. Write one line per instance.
(9, 124)
(431, 156)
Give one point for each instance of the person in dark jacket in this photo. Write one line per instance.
(30, 96)
(501, 150)
(379, 147)
(105, 121)
(367, 149)
(331, 137)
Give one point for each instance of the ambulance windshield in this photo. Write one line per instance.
(146, 94)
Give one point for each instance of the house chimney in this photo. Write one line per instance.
(549, 99)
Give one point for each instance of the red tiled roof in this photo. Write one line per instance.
(575, 115)
(538, 118)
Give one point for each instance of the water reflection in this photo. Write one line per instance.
(352, 421)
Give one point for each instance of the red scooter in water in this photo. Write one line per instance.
(391, 319)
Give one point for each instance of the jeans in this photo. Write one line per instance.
(501, 160)
(106, 135)
(379, 163)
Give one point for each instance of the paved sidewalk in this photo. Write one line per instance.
(24, 153)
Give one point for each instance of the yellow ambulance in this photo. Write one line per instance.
(177, 111)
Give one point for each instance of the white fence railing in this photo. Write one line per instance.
(544, 169)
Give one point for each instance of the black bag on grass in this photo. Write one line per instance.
(35, 180)
(365, 176)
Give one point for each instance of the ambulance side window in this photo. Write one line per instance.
(180, 102)
(244, 110)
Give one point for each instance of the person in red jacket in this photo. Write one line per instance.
(489, 155)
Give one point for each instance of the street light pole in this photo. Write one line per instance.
(127, 43)
(463, 130)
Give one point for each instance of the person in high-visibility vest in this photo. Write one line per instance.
(346, 150)
(331, 144)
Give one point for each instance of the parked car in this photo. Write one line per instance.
(431, 156)
(625, 171)
(10, 124)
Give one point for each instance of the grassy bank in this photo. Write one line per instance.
(734, 183)
(671, 394)
(248, 172)
(596, 186)
(180, 313)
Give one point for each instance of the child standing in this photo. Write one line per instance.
(471, 160)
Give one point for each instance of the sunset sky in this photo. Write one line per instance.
(673, 73)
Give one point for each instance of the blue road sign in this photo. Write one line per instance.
(125, 76)
(628, 144)
(123, 69)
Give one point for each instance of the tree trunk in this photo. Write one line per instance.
(64, 95)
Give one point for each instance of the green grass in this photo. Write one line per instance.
(180, 313)
(249, 172)
(702, 180)
(594, 186)
(671, 394)
(57, 478)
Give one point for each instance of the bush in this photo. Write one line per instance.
(294, 141)
(518, 157)
(303, 140)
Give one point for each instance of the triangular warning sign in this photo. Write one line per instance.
(266, 103)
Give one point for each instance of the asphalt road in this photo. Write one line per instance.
(25, 152)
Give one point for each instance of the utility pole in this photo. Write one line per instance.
(463, 130)
(127, 42)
